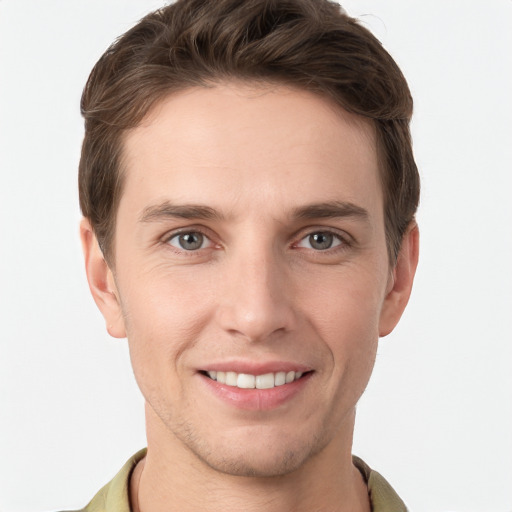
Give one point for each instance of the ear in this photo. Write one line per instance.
(101, 282)
(401, 279)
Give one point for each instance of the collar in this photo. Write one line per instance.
(115, 496)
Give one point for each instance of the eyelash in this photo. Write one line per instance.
(343, 241)
(189, 231)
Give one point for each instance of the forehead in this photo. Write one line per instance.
(223, 143)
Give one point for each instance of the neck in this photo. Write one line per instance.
(170, 478)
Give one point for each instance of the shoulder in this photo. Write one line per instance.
(382, 496)
(114, 497)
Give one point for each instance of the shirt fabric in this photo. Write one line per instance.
(115, 496)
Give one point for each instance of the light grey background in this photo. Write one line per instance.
(436, 419)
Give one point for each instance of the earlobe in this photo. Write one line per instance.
(101, 281)
(401, 281)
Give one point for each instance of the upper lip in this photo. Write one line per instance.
(255, 368)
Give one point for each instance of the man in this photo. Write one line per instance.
(249, 190)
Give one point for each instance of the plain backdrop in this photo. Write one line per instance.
(436, 419)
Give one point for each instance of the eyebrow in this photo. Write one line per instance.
(167, 210)
(331, 210)
(328, 210)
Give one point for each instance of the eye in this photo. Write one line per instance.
(320, 241)
(190, 241)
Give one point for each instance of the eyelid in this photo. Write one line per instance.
(193, 228)
(345, 238)
(204, 240)
(337, 241)
(167, 237)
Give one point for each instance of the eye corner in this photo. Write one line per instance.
(321, 240)
(188, 241)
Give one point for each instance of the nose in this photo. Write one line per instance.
(255, 295)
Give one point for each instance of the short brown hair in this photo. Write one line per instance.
(309, 44)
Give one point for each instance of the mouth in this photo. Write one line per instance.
(256, 387)
(248, 381)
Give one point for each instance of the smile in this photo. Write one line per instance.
(247, 381)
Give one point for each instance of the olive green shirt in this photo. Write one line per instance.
(115, 496)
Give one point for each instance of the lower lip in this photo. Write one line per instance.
(256, 399)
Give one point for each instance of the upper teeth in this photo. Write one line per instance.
(246, 381)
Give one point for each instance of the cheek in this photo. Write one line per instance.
(345, 314)
(162, 322)
(163, 303)
(350, 333)
(345, 304)
(351, 340)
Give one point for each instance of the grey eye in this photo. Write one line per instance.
(189, 241)
(320, 241)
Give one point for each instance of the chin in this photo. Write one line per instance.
(246, 466)
(256, 456)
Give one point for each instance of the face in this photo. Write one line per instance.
(251, 274)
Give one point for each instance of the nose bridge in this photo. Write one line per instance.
(255, 301)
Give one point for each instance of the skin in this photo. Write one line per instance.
(257, 290)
